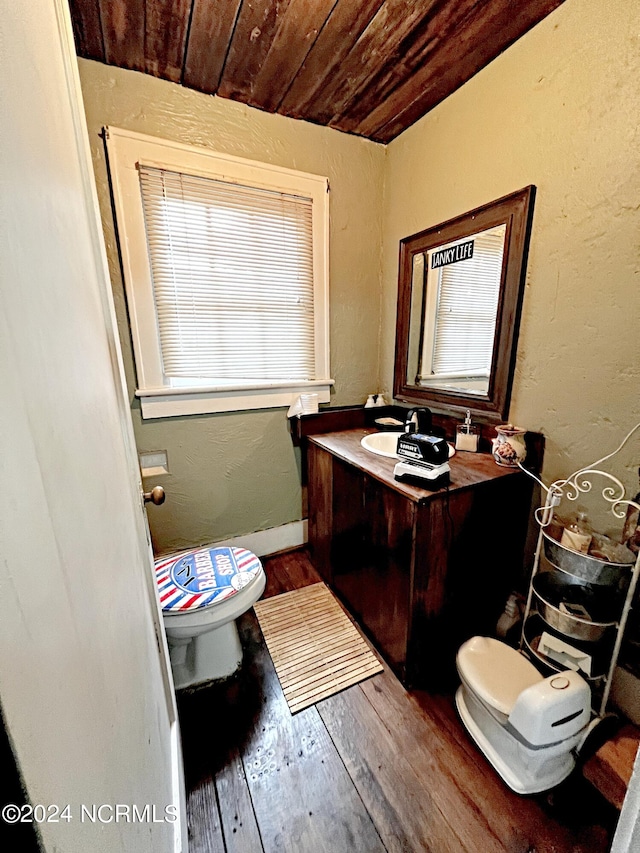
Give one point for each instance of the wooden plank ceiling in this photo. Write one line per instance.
(368, 67)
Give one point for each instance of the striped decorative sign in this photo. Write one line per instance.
(204, 576)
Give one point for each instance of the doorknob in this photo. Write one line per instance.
(156, 496)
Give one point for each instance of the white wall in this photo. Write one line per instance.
(83, 695)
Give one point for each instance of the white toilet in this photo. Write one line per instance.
(202, 593)
(527, 726)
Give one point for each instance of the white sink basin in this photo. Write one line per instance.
(385, 444)
(382, 443)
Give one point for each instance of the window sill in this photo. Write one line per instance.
(169, 402)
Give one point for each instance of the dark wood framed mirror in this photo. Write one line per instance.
(460, 291)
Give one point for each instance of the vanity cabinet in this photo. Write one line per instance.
(421, 571)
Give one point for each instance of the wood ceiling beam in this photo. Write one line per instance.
(341, 31)
(298, 30)
(166, 28)
(369, 67)
(212, 26)
(459, 59)
(257, 24)
(389, 28)
(87, 28)
(424, 41)
(123, 30)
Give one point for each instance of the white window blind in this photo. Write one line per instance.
(232, 277)
(466, 311)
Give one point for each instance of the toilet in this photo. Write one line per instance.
(528, 726)
(202, 592)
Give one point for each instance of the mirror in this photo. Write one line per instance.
(459, 297)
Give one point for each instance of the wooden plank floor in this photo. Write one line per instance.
(371, 769)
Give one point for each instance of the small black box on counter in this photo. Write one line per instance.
(425, 449)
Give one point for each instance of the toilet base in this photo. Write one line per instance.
(209, 656)
(524, 769)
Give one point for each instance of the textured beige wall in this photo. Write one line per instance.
(237, 473)
(561, 110)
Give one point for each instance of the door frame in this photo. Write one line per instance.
(81, 133)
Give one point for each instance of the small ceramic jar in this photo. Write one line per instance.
(508, 447)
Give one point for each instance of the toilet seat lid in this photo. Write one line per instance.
(495, 672)
(204, 576)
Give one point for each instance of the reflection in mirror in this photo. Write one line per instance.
(454, 304)
(459, 297)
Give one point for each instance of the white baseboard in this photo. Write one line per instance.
(265, 542)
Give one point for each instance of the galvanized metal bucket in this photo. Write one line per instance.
(586, 567)
(552, 588)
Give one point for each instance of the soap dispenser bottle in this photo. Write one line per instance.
(510, 617)
(467, 435)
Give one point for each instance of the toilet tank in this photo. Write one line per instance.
(553, 709)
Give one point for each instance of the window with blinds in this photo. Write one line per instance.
(232, 275)
(465, 316)
(225, 264)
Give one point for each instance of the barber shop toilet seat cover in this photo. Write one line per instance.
(204, 576)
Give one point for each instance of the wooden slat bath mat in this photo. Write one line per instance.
(315, 648)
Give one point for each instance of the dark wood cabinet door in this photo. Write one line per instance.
(375, 581)
(468, 556)
(360, 540)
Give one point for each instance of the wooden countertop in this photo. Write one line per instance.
(467, 469)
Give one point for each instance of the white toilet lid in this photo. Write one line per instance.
(204, 576)
(495, 672)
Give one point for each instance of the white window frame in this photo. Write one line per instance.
(159, 397)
